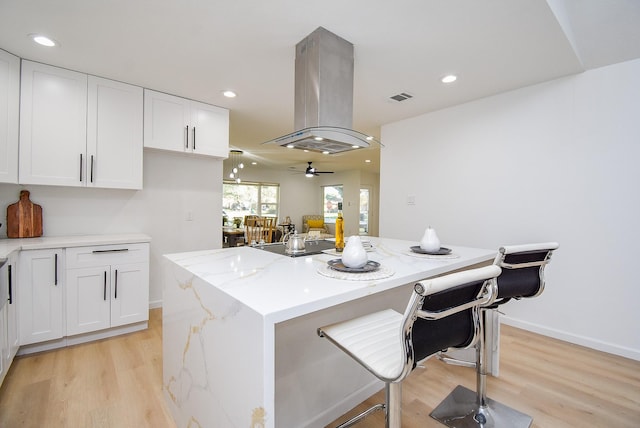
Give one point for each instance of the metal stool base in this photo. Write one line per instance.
(460, 410)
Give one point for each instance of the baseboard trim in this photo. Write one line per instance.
(155, 304)
(588, 342)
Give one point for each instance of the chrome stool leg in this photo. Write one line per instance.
(392, 408)
(464, 408)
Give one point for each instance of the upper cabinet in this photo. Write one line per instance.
(79, 130)
(186, 126)
(114, 134)
(9, 109)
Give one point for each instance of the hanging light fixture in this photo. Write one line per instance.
(236, 165)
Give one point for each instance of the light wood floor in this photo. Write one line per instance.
(117, 382)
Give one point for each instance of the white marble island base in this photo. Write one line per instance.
(239, 333)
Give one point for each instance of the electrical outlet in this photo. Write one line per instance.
(189, 215)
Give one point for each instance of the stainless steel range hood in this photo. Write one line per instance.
(324, 97)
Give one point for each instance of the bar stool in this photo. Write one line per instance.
(522, 276)
(441, 313)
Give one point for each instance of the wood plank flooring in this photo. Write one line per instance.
(117, 382)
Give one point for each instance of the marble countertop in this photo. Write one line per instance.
(7, 246)
(280, 287)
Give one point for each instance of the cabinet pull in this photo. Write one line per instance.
(10, 287)
(115, 250)
(92, 168)
(187, 144)
(55, 269)
(80, 166)
(116, 288)
(194, 138)
(104, 290)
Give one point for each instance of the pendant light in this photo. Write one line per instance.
(236, 165)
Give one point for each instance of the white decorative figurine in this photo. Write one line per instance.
(354, 254)
(430, 241)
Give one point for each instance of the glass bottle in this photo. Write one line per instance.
(339, 230)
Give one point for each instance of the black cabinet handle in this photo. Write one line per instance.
(187, 144)
(55, 269)
(10, 287)
(194, 138)
(80, 166)
(92, 168)
(104, 292)
(116, 250)
(116, 291)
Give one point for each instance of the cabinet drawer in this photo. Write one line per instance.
(80, 257)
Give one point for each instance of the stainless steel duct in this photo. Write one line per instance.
(324, 96)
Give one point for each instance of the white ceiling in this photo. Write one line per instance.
(197, 48)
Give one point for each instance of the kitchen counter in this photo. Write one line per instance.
(239, 332)
(7, 246)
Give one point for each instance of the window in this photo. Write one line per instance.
(363, 228)
(239, 200)
(331, 196)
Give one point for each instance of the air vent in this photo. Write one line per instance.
(401, 97)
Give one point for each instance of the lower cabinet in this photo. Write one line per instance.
(77, 294)
(8, 316)
(40, 293)
(106, 296)
(107, 286)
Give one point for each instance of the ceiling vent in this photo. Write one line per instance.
(401, 97)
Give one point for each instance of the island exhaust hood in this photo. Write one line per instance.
(324, 97)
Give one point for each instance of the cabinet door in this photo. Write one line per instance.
(53, 125)
(166, 122)
(12, 306)
(40, 295)
(88, 299)
(130, 293)
(210, 130)
(9, 108)
(114, 134)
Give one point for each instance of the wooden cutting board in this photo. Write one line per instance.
(24, 218)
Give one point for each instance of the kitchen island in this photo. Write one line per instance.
(240, 347)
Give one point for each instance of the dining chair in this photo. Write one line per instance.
(441, 313)
(522, 277)
(268, 228)
(252, 229)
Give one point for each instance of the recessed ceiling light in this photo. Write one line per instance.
(290, 146)
(229, 94)
(355, 147)
(369, 138)
(367, 160)
(449, 78)
(325, 152)
(318, 138)
(254, 163)
(43, 40)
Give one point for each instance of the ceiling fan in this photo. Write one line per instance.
(311, 171)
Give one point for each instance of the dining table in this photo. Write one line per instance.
(240, 347)
(232, 235)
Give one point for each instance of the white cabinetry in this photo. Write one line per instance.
(79, 130)
(114, 134)
(8, 316)
(186, 126)
(9, 109)
(40, 292)
(107, 286)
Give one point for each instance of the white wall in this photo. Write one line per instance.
(174, 185)
(556, 161)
